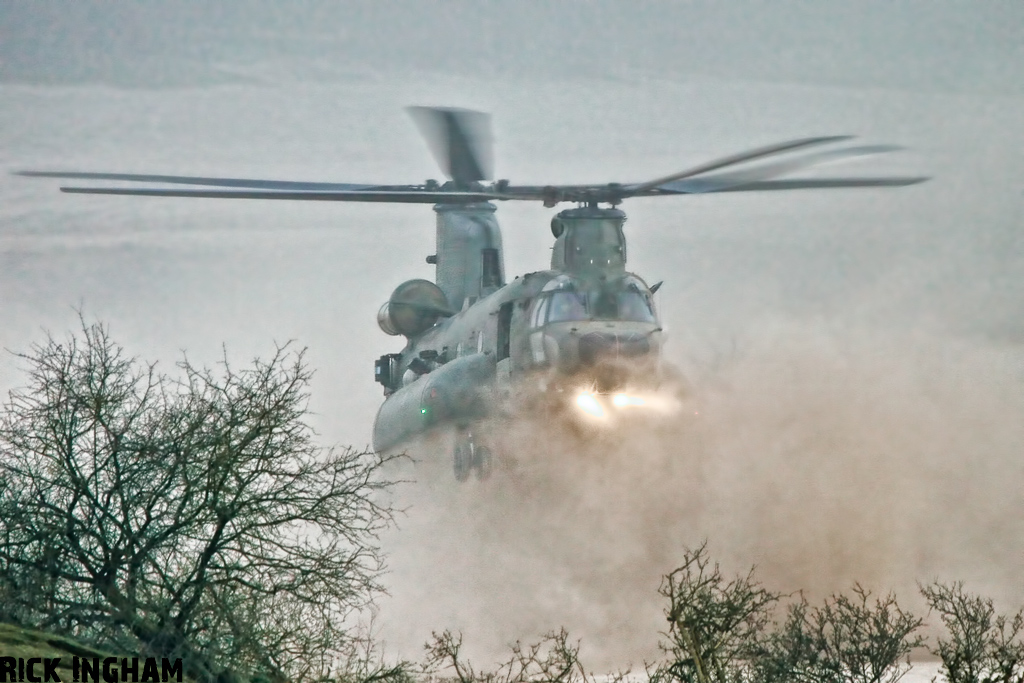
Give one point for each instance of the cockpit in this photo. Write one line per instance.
(563, 300)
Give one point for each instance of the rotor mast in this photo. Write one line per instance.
(589, 242)
(469, 259)
(469, 263)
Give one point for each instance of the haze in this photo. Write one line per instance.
(856, 358)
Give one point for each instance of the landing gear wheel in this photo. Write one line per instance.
(483, 462)
(470, 456)
(464, 456)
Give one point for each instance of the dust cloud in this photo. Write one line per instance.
(824, 457)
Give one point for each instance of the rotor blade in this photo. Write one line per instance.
(758, 153)
(460, 140)
(553, 194)
(198, 180)
(721, 181)
(822, 183)
(412, 196)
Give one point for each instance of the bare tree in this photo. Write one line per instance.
(190, 517)
(553, 659)
(364, 662)
(712, 622)
(846, 640)
(982, 647)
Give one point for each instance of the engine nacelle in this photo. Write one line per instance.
(414, 307)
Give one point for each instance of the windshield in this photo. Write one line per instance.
(633, 306)
(628, 305)
(567, 306)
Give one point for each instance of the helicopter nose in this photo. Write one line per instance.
(596, 346)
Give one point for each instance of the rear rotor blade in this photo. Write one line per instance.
(460, 140)
(731, 160)
(199, 180)
(407, 196)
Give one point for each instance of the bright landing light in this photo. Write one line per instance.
(625, 400)
(590, 405)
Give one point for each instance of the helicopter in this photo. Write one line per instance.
(582, 338)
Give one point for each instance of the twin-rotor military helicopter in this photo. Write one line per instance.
(582, 337)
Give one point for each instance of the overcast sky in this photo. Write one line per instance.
(920, 44)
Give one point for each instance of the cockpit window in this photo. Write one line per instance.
(567, 305)
(540, 310)
(633, 306)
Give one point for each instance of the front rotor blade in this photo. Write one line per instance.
(824, 184)
(396, 196)
(199, 180)
(460, 140)
(720, 181)
(742, 157)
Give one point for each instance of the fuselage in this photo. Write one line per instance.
(543, 332)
